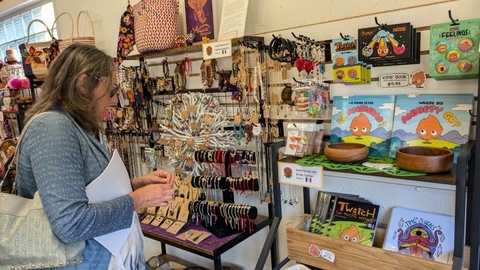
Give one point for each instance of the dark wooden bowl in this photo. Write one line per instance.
(424, 159)
(346, 152)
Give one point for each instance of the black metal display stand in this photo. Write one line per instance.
(467, 206)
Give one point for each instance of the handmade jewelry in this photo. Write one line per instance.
(207, 70)
(179, 78)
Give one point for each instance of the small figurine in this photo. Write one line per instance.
(180, 41)
(205, 39)
(190, 38)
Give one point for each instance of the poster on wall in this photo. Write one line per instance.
(199, 16)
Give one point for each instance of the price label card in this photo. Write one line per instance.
(175, 227)
(184, 212)
(151, 210)
(157, 221)
(192, 108)
(391, 80)
(148, 219)
(166, 224)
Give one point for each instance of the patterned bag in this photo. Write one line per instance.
(36, 57)
(64, 43)
(156, 24)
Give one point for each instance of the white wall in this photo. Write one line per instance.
(267, 17)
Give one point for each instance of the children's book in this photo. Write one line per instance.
(366, 120)
(352, 220)
(420, 234)
(437, 120)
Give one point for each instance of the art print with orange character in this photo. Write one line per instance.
(364, 119)
(437, 120)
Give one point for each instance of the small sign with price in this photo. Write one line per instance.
(219, 49)
(391, 80)
(294, 174)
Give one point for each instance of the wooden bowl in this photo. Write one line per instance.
(346, 152)
(424, 159)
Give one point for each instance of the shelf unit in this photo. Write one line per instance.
(465, 243)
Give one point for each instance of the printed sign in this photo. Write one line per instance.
(218, 49)
(294, 174)
(391, 80)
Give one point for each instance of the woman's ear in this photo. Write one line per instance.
(80, 87)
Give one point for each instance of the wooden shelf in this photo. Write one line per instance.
(350, 255)
(448, 178)
(172, 51)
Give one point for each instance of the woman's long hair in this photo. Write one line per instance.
(61, 87)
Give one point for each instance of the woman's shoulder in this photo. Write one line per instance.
(51, 124)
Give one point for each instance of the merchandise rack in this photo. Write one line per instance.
(466, 240)
(216, 247)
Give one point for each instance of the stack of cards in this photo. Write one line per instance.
(347, 68)
(397, 44)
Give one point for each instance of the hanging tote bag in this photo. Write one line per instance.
(27, 240)
(64, 43)
(156, 24)
(85, 39)
(36, 57)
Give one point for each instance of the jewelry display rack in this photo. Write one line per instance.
(213, 247)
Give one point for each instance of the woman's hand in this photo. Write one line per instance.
(155, 177)
(152, 195)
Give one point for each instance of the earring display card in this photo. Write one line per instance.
(175, 227)
(148, 219)
(166, 224)
(162, 211)
(157, 221)
(151, 210)
(198, 237)
(184, 212)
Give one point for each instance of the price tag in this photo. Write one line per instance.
(195, 126)
(184, 114)
(192, 108)
(191, 142)
(178, 142)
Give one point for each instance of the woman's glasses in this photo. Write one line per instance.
(114, 89)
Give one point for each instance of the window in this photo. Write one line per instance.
(14, 29)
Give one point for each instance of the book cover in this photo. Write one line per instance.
(324, 205)
(437, 120)
(389, 43)
(352, 220)
(364, 119)
(420, 234)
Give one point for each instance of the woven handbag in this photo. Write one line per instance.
(36, 57)
(85, 39)
(64, 43)
(156, 24)
(27, 240)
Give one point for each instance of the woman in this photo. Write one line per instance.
(59, 156)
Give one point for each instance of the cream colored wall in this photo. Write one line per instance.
(266, 17)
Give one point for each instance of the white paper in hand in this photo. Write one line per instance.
(112, 183)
